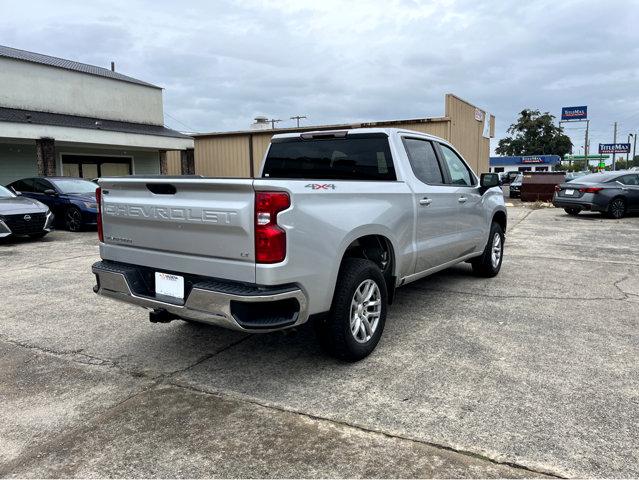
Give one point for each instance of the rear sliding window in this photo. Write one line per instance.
(354, 157)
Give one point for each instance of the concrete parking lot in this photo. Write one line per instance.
(531, 373)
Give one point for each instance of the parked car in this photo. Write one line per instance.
(611, 193)
(508, 177)
(23, 216)
(72, 200)
(337, 221)
(514, 189)
(570, 176)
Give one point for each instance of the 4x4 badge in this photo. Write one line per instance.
(321, 186)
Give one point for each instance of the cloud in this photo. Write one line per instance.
(221, 63)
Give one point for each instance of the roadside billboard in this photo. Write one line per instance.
(614, 148)
(574, 113)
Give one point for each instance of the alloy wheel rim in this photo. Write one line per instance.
(73, 220)
(495, 254)
(617, 208)
(365, 312)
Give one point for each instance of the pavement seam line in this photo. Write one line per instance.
(241, 398)
(206, 357)
(33, 456)
(48, 263)
(520, 221)
(486, 295)
(74, 356)
(579, 260)
(165, 380)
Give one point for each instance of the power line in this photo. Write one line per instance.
(181, 123)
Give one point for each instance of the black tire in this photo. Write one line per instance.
(334, 331)
(484, 265)
(616, 208)
(73, 219)
(38, 235)
(572, 210)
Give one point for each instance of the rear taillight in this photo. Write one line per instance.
(557, 188)
(270, 238)
(98, 200)
(590, 189)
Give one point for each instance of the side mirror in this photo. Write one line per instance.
(488, 180)
(50, 192)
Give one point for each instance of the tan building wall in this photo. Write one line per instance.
(229, 154)
(173, 162)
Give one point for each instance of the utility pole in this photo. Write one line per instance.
(628, 152)
(273, 122)
(298, 118)
(614, 141)
(586, 145)
(634, 148)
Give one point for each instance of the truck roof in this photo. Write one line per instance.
(351, 131)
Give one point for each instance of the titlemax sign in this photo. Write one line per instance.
(177, 214)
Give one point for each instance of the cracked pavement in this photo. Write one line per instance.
(531, 373)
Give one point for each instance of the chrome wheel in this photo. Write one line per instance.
(617, 208)
(366, 308)
(496, 251)
(73, 219)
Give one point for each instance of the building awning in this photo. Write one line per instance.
(525, 160)
(27, 124)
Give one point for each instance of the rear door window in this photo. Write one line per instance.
(459, 173)
(25, 185)
(353, 157)
(629, 180)
(40, 185)
(423, 161)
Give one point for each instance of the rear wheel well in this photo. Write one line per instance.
(500, 219)
(379, 250)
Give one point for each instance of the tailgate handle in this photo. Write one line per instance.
(161, 188)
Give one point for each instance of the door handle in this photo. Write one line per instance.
(462, 199)
(425, 201)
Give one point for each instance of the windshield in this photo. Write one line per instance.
(75, 185)
(519, 178)
(5, 192)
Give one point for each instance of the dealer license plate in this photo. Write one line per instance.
(169, 285)
(569, 192)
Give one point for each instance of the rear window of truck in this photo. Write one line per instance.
(355, 157)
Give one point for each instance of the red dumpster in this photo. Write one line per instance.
(540, 185)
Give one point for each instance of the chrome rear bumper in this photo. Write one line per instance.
(248, 308)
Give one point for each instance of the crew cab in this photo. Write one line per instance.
(336, 221)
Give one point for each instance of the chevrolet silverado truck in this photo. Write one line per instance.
(336, 221)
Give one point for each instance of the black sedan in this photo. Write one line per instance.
(514, 190)
(72, 200)
(612, 193)
(23, 216)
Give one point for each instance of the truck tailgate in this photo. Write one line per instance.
(203, 226)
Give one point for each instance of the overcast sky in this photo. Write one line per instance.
(221, 63)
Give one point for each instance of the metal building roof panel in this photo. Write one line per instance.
(26, 56)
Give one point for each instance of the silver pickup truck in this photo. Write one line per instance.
(335, 223)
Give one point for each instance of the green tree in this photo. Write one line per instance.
(535, 133)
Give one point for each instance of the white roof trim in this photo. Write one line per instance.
(97, 137)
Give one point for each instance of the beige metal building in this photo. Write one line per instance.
(239, 154)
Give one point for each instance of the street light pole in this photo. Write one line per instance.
(614, 148)
(586, 145)
(634, 148)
